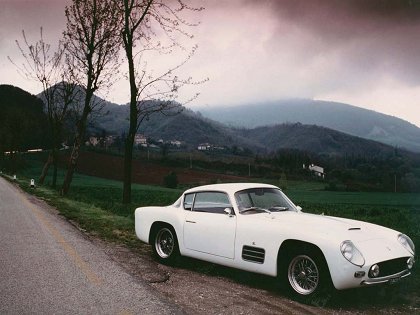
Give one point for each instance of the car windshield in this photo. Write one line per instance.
(263, 200)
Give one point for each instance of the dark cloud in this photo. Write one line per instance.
(380, 36)
(391, 10)
(364, 52)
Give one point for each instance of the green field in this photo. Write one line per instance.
(95, 204)
(400, 211)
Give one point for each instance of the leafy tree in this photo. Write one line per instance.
(171, 180)
(22, 122)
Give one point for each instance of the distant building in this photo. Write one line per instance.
(204, 147)
(176, 143)
(153, 146)
(140, 139)
(109, 140)
(317, 170)
(93, 141)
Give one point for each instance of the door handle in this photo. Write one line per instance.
(188, 221)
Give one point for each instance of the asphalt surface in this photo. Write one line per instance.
(47, 266)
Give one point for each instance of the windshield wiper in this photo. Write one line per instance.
(279, 208)
(254, 209)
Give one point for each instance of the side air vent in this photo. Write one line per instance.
(253, 254)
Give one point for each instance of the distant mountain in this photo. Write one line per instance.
(338, 116)
(312, 138)
(186, 126)
(193, 129)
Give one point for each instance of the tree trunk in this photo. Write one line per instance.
(55, 164)
(128, 160)
(78, 141)
(128, 154)
(71, 167)
(46, 168)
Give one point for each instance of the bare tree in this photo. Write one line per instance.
(65, 96)
(92, 39)
(144, 21)
(44, 64)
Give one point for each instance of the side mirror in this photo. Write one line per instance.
(299, 208)
(228, 211)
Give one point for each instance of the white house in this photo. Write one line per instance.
(140, 139)
(176, 143)
(317, 170)
(204, 146)
(93, 141)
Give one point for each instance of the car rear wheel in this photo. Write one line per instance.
(165, 244)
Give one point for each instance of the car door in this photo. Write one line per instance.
(207, 227)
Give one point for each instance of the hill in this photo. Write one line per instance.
(192, 128)
(312, 138)
(23, 124)
(187, 126)
(338, 116)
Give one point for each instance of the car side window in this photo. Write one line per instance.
(188, 201)
(211, 202)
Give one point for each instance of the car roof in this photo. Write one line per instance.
(230, 187)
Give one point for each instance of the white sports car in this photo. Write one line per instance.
(255, 227)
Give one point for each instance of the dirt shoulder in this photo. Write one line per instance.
(204, 288)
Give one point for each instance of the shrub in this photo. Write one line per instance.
(171, 180)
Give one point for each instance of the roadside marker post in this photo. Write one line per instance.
(32, 183)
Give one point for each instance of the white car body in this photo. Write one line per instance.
(256, 242)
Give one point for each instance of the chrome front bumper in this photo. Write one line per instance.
(390, 278)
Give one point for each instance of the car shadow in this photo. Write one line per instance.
(385, 297)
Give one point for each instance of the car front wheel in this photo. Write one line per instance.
(165, 245)
(303, 275)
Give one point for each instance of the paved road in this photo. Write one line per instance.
(48, 267)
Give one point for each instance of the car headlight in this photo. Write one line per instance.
(407, 243)
(352, 254)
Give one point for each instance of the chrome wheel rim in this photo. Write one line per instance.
(164, 243)
(303, 275)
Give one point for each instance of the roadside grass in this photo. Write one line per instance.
(95, 205)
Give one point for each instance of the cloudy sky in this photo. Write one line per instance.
(361, 52)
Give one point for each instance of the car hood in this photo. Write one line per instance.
(329, 227)
(376, 243)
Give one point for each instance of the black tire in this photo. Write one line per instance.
(307, 277)
(165, 244)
